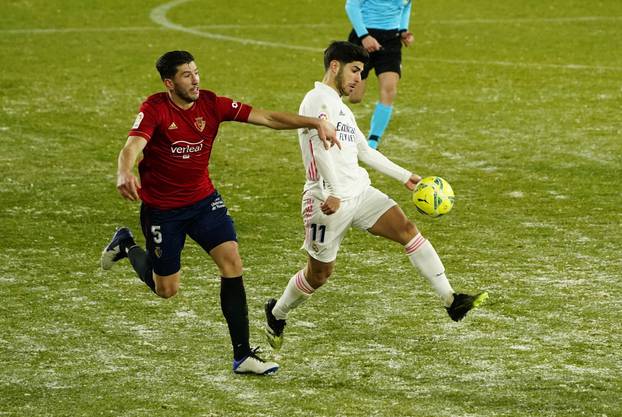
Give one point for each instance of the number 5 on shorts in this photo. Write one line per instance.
(157, 234)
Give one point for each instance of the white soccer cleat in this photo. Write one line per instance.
(253, 364)
(114, 252)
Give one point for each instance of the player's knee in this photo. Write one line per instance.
(409, 231)
(166, 291)
(320, 277)
(228, 259)
(167, 287)
(387, 95)
(388, 92)
(231, 267)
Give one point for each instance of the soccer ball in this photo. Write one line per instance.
(433, 196)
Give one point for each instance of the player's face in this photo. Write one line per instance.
(186, 82)
(348, 77)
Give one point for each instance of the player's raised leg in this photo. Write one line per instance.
(122, 245)
(394, 225)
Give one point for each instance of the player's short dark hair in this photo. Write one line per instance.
(167, 64)
(344, 52)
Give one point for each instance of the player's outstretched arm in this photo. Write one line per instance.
(381, 163)
(127, 183)
(281, 120)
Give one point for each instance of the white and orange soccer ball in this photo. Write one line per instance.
(433, 196)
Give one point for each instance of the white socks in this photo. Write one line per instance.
(296, 293)
(423, 256)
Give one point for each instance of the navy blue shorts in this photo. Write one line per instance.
(389, 58)
(207, 222)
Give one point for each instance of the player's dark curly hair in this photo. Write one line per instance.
(167, 64)
(344, 52)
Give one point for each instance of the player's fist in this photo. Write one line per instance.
(128, 186)
(331, 205)
(412, 181)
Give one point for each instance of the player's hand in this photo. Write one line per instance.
(407, 38)
(412, 181)
(128, 186)
(371, 44)
(328, 134)
(331, 205)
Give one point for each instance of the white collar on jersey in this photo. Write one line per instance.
(327, 88)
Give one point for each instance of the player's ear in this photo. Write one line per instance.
(334, 66)
(168, 83)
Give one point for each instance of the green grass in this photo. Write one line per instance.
(517, 106)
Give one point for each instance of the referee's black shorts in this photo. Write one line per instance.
(387, 59)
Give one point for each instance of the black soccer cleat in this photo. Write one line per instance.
(274, 327)
(463, 303)
(115, 250)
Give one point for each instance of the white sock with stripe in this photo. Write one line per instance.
(296, 293)
(423, 256)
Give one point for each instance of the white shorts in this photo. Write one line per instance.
(323, 234)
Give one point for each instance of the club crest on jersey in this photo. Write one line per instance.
(323, 116)
(158, 252)
(199, 123)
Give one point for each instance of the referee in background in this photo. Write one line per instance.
(381, 27)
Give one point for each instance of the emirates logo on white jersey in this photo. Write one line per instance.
(345, 133)
(184, 149)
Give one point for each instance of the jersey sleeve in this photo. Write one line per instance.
(353, 10)
(146, 121)
(405, 19)
(322, 157)
(378, 161)
(230, 110)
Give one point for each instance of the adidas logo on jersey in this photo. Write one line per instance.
(173, 126)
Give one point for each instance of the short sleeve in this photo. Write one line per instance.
(145, 122)
(230, 110)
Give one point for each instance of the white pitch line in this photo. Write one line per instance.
(158, 15)
(312, 25)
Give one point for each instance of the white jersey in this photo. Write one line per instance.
(336, 171)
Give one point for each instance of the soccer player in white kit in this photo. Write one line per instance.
(338, 195)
